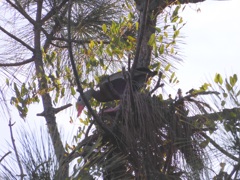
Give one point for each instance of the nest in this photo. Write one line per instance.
(156, 135)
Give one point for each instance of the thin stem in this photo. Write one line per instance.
(15, 150)
(5, 155)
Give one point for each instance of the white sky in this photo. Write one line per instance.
(212, 42)
(212, 39)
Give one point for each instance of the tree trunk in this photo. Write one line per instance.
(48, 112)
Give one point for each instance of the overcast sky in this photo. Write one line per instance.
(212, 38)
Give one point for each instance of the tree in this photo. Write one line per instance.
(146, 137)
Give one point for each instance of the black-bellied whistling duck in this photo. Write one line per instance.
(112, 87)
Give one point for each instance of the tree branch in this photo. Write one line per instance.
(15, 150)
(158, 83)
(19, 8)
(16, 39)
(17, 63)
(219, 147)
(224, 114)
(5, 155)
(55, 110)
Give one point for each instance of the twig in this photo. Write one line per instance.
(15, 150)
(9, 152)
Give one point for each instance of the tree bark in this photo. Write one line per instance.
(49, 112)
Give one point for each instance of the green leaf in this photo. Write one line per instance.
(174, 19)
(160, 38)
(165, 34)
(218, 78)
(91, 44)
(132, 39)
(175, 12)
(167, 67)
(152, 39)
(165, 27)
(181, 20)
(223, 103)
(176, 33)
(204, 144)
(73, 92)
(137, 25)
(104, 28)
(233, 80)
(158, 29)
(17, 92)
(204, 87)
(228, 86)
(172, 76)
(225, 95)
(174, 28)
(161, 49)
(7, 81)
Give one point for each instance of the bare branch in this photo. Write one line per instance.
(17, 63)
(5, 155)
(19, 8)
(15, 150)
(16, 39)
(219, 147)
(158, 83)
(55, 110)
(225, 114)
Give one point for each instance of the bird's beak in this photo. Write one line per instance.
(79, 109)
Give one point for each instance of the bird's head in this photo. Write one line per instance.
(80, 102)
(80, 105)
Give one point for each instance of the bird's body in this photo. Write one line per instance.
(113, 86)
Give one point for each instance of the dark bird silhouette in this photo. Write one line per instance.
(113, 86)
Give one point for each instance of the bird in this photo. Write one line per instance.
(112, 87)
